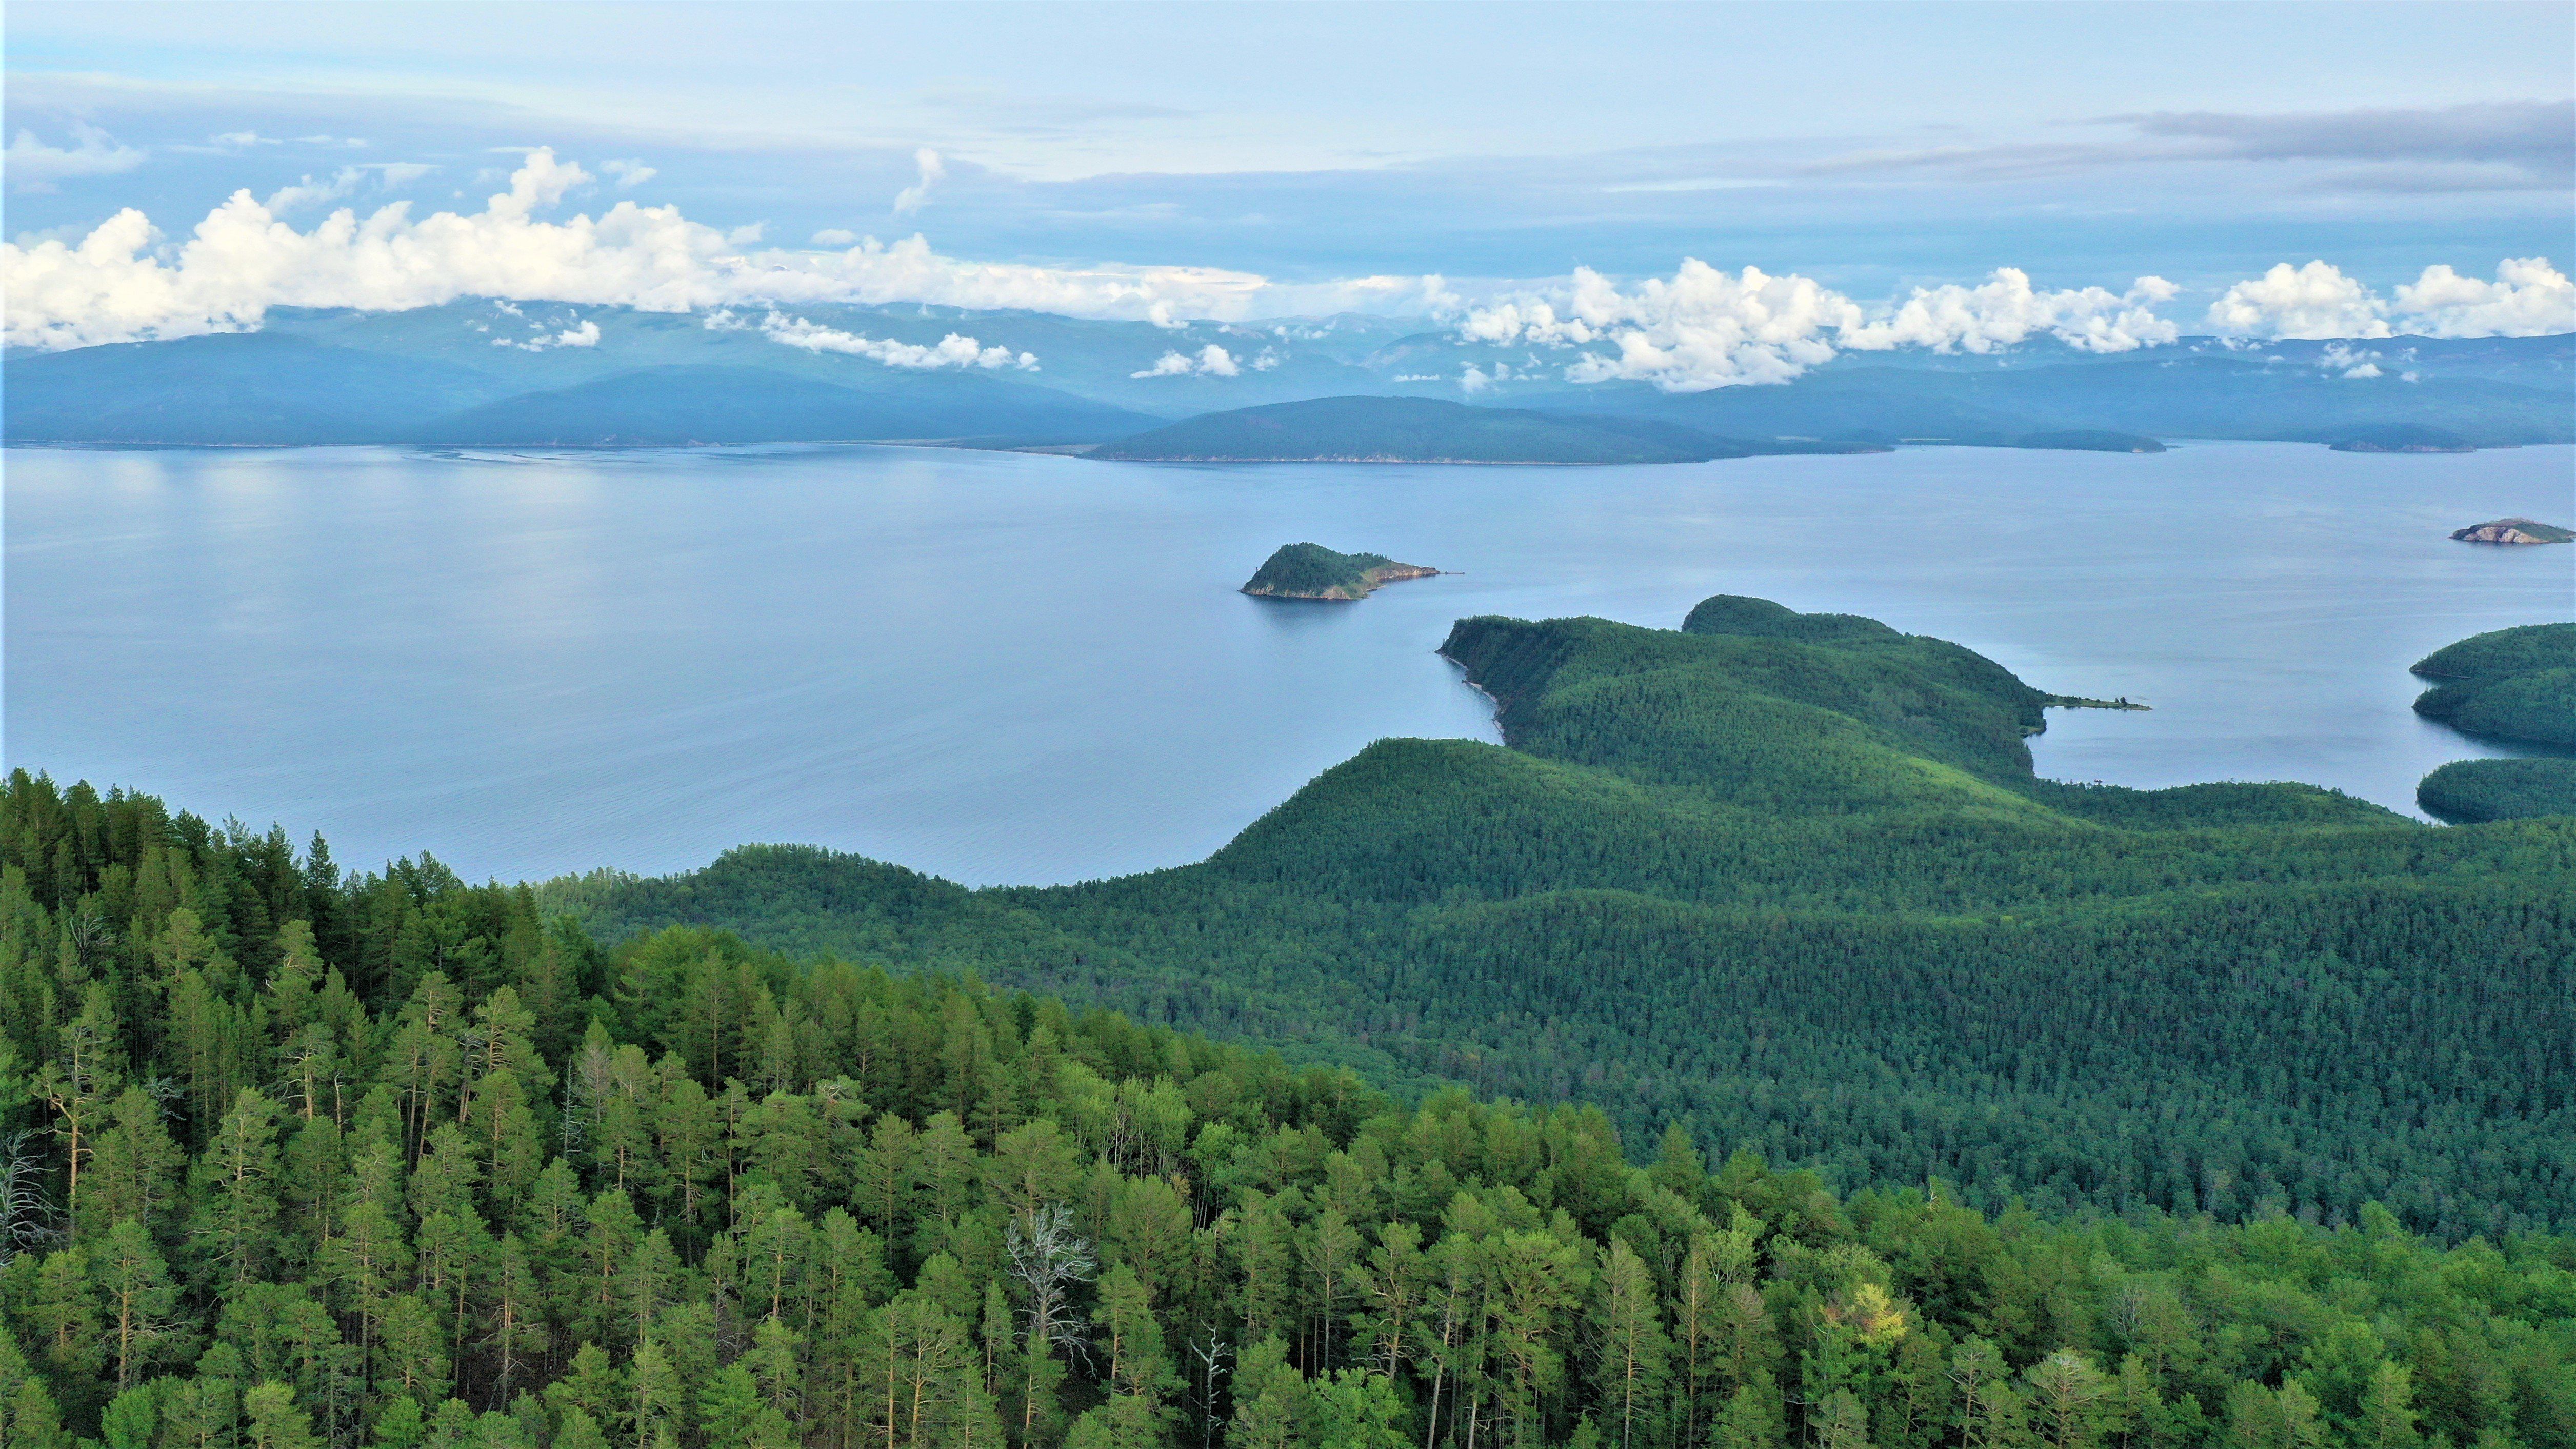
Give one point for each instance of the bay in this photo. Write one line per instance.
(1022, 668)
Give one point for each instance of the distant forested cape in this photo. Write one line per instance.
(2512, 684)
(2516, 685)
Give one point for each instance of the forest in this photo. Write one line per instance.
(297, 1157)
(1788, 881)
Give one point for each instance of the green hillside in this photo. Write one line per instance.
(1424, 430)
(1789, 880)
(300, 1158)
(1312, 571)
(2513, 684)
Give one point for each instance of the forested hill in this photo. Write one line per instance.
(1789, 880)
(1428, 430)
(298, 1158)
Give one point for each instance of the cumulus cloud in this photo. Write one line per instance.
(2528, 298)
(910, 199)
(34, 166)
(833, 236)
(629, 173)
(1208, 361)
(1705, 328)
(2314, 301)
(585, 335)
(121, 283)
(951, 351)
(2006, 310)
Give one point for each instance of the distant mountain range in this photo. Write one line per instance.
(527, 374)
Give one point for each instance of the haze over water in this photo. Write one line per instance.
(1012, 668)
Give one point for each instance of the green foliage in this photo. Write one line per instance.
(1312, 571)
(2474, 791)
(2514, 684)
(1788, 879)
(2160, 1121)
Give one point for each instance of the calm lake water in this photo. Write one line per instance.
(1028, 669)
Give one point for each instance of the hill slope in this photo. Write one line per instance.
(236, 388)
(696, 404)
(1789, 879)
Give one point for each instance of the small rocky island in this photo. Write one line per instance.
(2513, 530)
(1312, 571)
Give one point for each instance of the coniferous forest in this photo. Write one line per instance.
(1872, 1094)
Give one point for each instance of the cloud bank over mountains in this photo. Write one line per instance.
(1699, 328)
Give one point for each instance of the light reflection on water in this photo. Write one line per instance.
(1021, 668)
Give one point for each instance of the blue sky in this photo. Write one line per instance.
(1873, 147)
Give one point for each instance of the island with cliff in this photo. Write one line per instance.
(1312, 571)
(2513, 530)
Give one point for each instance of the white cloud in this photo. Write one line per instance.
(910, 199)
(1706, 328)
(951, 351)
(2528, 298)
(32, 165)
(585, 335)
(243, 138)
(386, 174)
(115, 285)
(2314, 301)
(629, 173)
(2005, 310)
(1209, 361)
(833, 236)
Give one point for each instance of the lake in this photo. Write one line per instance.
(1022, 668)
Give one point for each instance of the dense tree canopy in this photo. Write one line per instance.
(1788, 880)
(304, 1158)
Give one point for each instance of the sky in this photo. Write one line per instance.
(1249, 159)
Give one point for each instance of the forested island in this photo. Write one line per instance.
(1312, 571)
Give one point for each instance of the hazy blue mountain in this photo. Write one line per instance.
(314, 376)
(1423, 430)
(2188, 396)
(703, 404)
(251, 387)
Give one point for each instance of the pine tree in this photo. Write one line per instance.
(235, 1229)
(412, 1349)
(135, 1172)
(137, 1302)
(1630, 1350)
